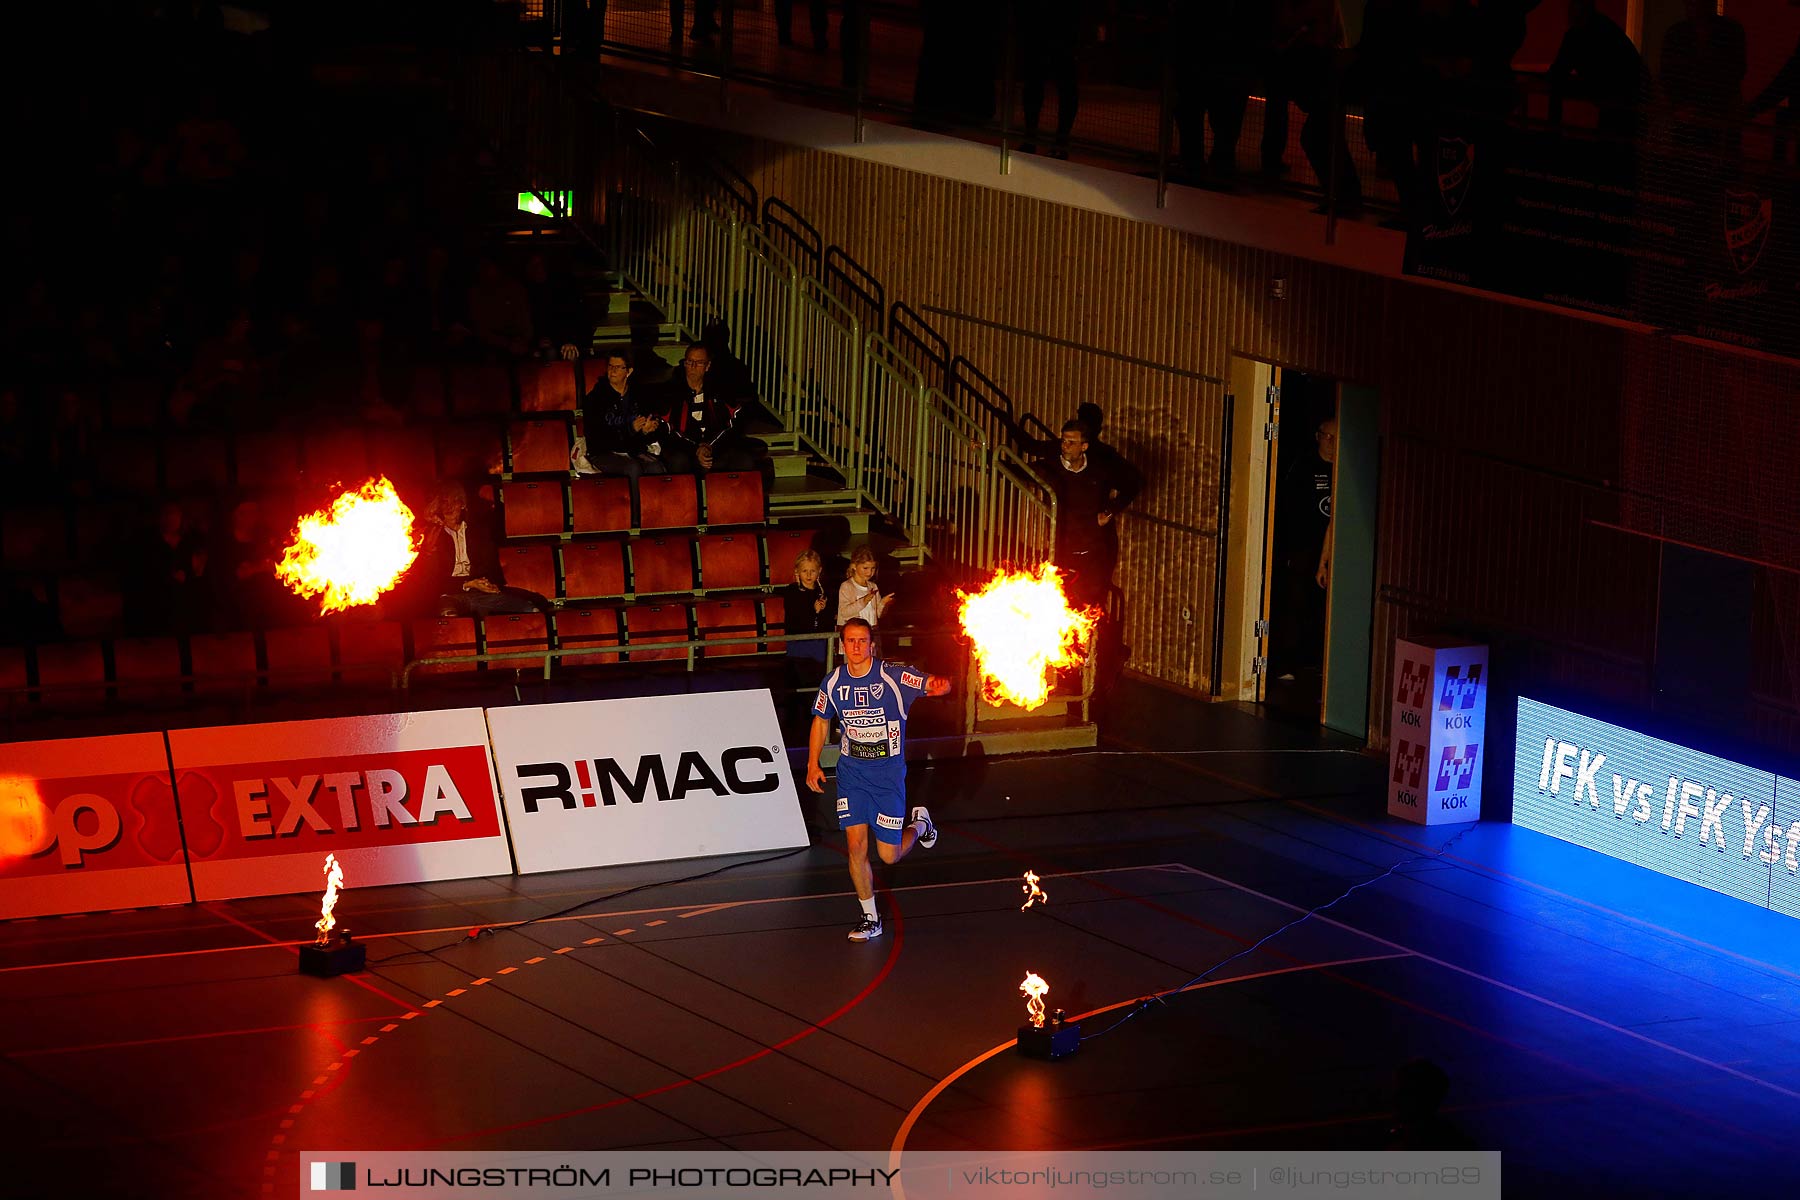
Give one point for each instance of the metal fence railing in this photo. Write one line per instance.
(937, 470)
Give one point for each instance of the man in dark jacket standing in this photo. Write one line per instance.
(1087, 501)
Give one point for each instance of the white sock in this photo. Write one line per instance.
(869, 909)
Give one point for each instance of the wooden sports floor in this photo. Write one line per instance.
(1606, 1030)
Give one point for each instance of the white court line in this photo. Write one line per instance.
(1508, 987)
(596, 916)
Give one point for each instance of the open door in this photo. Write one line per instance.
(1349, 627)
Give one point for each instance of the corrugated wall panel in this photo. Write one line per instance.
(1503, 427)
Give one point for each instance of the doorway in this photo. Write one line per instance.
(1301, 555)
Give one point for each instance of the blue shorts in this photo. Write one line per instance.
(873, 798)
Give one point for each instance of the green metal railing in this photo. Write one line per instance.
(903, 446)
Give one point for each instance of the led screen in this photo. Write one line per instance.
(1692, 816)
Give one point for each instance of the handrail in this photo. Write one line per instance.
(550, 655)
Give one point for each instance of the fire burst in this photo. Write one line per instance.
(24, 818)
(1034, 990)
(1023, 630)
(353, 551)
(1033, 893)
(334, 879)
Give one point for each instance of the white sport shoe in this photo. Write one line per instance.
(922, 815)
(867, 930)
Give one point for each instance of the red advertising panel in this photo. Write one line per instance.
(88, 824)
(399, 798)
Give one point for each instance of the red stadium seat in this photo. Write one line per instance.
(130, 462)
(735, 498)
(34, 537)
(480, 390)
(265, 459)
(730, 561)
(513, 632)
(195, 462)
(14, 677)
(369, 649)
(593, 569)
(775, 620)
(406, 456)
(425, 394)
(532, 567)
(656, 623)
(600, 504)
(444, 637)
(100, 529)
(296, 657)
(727, 619)
(548, 387)
(780, 548)
(224, 663)
(539, 446)
(89, 604)
(579, 628)
(71, 675)
(135, 403)
(469, 449)
(336, 456)
(147, 670)
(534, 507)
(660, 566)
(668, 502)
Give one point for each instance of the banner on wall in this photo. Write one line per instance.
(88, 824)
(602, 782)
(399, 798)
(1692, 816)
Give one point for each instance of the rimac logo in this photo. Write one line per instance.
(603, 780)
(334, 1177)
(1456, 767)
(1748, 219)
(1415, 678)
(1409, 763)
(1460, 691)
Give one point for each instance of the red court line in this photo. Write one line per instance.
(364, 984)
(194, 1037)
(887, 968)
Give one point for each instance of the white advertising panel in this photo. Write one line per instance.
(1436, 728)
(602, 782)
(398, 797)
(88, 824)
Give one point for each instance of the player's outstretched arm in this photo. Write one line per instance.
(815, 743)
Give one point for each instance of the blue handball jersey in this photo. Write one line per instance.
(872, 710)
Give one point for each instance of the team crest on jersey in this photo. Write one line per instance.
(862, 697)
(910, 680)
(875, 690)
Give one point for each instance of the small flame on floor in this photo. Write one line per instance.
(1034, 990)
(334, 879)
(1033, 893)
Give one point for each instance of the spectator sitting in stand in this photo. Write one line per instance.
(699, 430)
(458, 571)
(617, 437)
(858, 595)
(163, 591)
(556, 310)
(499, 310)
(241, 576)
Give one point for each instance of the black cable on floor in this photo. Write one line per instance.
(1147, 1001)
(481, 930)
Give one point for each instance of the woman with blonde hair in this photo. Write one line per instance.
(858, 595)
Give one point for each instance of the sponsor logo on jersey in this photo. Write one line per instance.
(908, 679)
(843, 804)
(862, 697)
(887, 822)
